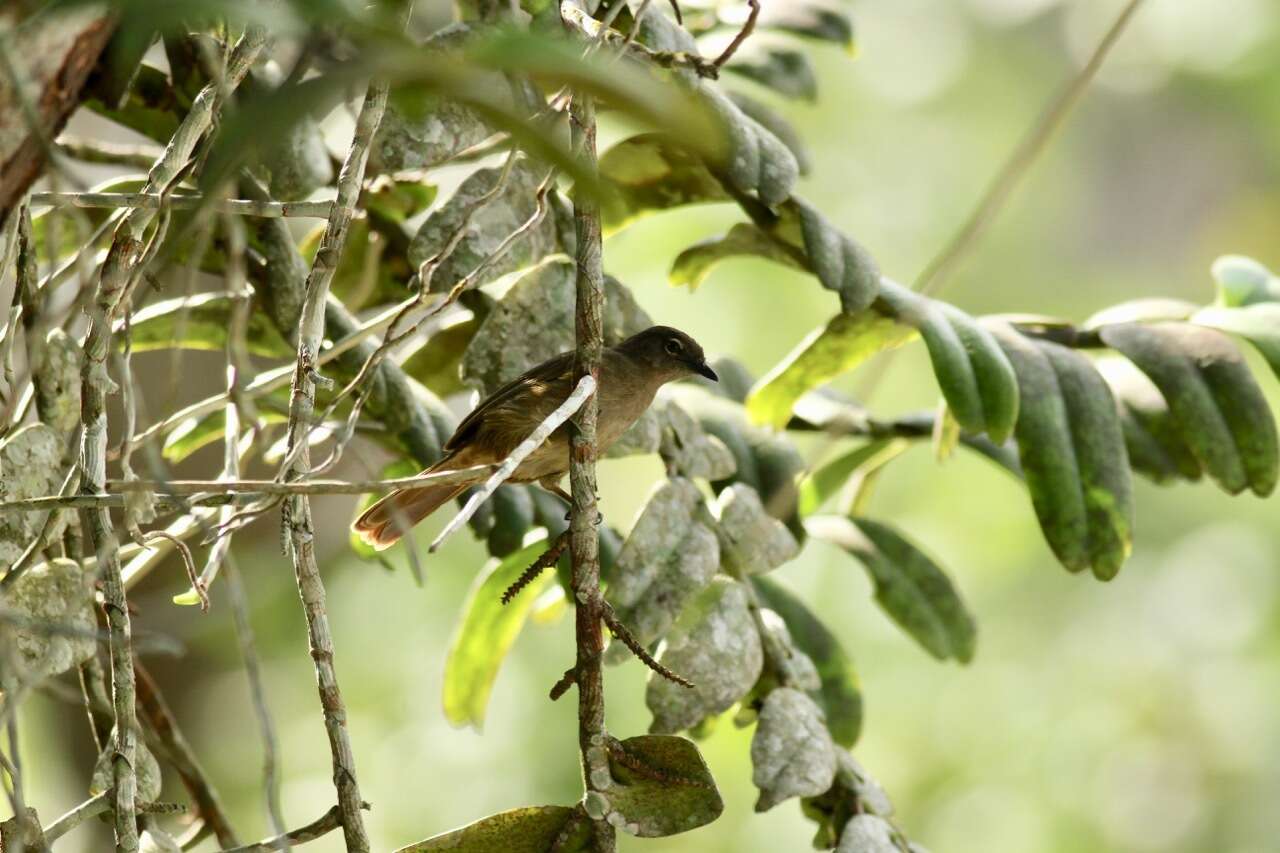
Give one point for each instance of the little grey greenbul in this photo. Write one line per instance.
(630, 375)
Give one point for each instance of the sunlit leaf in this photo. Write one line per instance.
(821, 484)
(1141, 311)
(485, 634)
(1222, 414)
(910, 587)
(648, 173)
(692, 266)
(201, 322)
(843, 344)
(1243, 281)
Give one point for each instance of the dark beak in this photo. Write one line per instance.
(702, 369)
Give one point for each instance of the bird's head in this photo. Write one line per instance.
(668, 352)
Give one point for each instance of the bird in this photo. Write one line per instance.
(630, 375)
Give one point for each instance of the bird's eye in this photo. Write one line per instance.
(674, 347)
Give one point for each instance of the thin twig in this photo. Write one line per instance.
(582, 393)
(327, 823)
(298, 521)
(186, 201)
(935, 273)
(743, 34)
(258, 695)
(546, 560)
(637, 648)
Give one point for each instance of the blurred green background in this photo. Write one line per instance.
(1141, 715)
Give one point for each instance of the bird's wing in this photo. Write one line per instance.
(509, 414)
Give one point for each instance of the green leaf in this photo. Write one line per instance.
(485, 634)
(437, 362)
(975, 376)
(191, 434)
(1243, 281)
(774, 122)
(692, 266)
(532, 829)
(369, 271)
(910, 587)
(1073, 456)
(662, 786)
(1259, 324)
(821, 484)
(843, 344)
(1221, 413)
(787, 71)
(201, 322)
(151, 109)
(839, 695)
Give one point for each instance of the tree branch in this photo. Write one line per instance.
(186, 201)
(584, 543)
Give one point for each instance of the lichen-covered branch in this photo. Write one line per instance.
(298, 510)
(584, 544)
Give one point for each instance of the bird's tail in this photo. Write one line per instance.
(382, 524)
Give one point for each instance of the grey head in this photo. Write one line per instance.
(669, 353)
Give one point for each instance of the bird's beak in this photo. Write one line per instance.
(702, 369)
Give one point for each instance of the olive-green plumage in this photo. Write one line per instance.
(630, 375)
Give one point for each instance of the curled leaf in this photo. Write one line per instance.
(1243, 281)
(691, 451)
(1219, 409)
(868, 833)
(30, 467)
(201, 322)
(1153, 440)
(974, 374)
(58, 593)
(1259, 324)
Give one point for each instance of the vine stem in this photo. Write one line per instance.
(583, 542)
(298, 519)
(1024, 155)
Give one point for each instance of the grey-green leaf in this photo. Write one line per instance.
(1243, 281)
(690, 450)
(792, 754)
(667, 559)
(59, 592)
(787, 71)
(911, 588)
(754, 541)
(30, 467)
(866, 833)
(1259, 324)
(715, 645)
